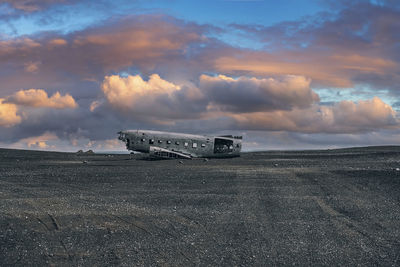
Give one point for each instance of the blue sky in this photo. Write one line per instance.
(77, 16)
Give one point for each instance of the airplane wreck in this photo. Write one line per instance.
(179, 145)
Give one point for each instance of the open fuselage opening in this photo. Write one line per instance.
(223, 146)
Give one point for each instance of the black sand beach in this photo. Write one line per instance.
(332, 207)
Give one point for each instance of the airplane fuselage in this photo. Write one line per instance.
(181, 145)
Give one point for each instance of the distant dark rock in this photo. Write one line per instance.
(89, 152)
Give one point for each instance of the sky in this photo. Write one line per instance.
(288, 74)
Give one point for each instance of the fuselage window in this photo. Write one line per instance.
(177, 143)
(159, 141)
(203, 145)
(186, 144)
(168, 142)
(151, 141)
(143, 140)
(194, 145)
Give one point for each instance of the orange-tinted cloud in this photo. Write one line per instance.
(141, 41)
(267, 89)
(286, 104)
(57, 42)
(39, 98)
(212, 95)
(156, 98)
(37, 142)
(145, 42)
(356, 45)
(8, 114)
(342, 117)
(15, 49)
(127, 92)
(326, 70)
(32, 67)
(31, 6)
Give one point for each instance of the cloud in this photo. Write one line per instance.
(163, 99)
(32, 66)
(342, 117)
(95, 104)
(278, 140)
(10, 49)
(325, 70)
(37, 142)
(39, 98)
(130, 91)
(8, 114)
(143, 42)
(31, 6)
(247, 94)
(155, 98)
(108, 144)
(335, 50)
(57, 42)
(268, 90)
(271, 104)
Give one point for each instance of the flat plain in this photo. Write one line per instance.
(326, 207)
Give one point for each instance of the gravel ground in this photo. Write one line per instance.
(332, 207)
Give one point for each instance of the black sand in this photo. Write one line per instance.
(334, 207)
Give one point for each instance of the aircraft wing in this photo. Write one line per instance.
(159, 152)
